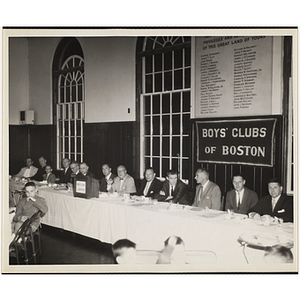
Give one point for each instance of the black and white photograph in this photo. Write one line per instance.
(149, 150)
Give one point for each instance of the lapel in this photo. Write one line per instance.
(206, 190)
(278, 204)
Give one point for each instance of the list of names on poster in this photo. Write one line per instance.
(212, 83)
(245, 77)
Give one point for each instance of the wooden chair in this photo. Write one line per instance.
(25, 237)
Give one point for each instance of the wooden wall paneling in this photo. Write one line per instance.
(18, 148)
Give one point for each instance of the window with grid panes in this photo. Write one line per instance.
(165, 104)
(70, 110)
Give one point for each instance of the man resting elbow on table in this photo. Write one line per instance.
(276, 205)
(174, 190)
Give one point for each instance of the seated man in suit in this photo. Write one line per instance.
(240, 199)
(276, 204)
(28, 171)
(208, 194)
(106, 170)
(74, 166)
(49, 176)
(84, 171)
(174, 190)
(123, 183)
(41, 171)
(150, 185)
(66, 173)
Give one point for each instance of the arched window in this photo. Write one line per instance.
(69, 97)
(165, 97)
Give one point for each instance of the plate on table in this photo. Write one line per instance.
(261, 241)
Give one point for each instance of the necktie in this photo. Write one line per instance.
(238, 201)
(200, 193)
(273, 203)
(147, 188)
(172, 190)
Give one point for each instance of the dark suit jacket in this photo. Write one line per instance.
(180, 194)
(283, 208)
(88, 174)
(250, 199)
(103, 183)
(154, 188)
(51, 178)
(39, 174)
(65, 177)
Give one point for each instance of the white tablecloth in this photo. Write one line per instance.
(109, 219)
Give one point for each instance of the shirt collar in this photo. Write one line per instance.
(31, 198)
(205, 184)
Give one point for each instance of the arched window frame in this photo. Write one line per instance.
(69, 103)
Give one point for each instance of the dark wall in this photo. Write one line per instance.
(110, 143)
(29, 141)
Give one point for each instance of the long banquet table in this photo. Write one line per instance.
(109, 218)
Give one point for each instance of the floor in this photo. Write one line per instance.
(64, 247)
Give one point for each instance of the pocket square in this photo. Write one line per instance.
(281, 211)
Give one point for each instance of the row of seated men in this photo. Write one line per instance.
(208, 194)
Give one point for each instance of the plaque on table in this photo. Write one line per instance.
(86, 188)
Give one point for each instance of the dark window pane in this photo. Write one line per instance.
(186, 106)
(148, 62)
(72, 157)
(175, 146)
(168, 61)
(176, 102)
(156, 145)
(147, 105)
(149, 83)
(186, 124)
(73, 91)
(66, 145)
(168, 81)
(78, 157)
(176, 124)
(61, 112)
(147, 146)
(68, 94)
(147, 126)
(147, 162)
(78, 146)
(187, 78)
(78, 127)
(72, 111)
(156, 125)
(178, 80)
(178, 59)
(72, 144)
(187, 57)
(156, 104)
(165, 166)
(155, 165)
(80, 97)
(175, 165)
(79, 111)
(72, 128)
(166, 146)
(67, 112)
(61, 127)
(158, 62)
(166, 125)
(185, 168)
(61, 95)
(66, 128)
(165, 103)
(186, 146)
(158, 82)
